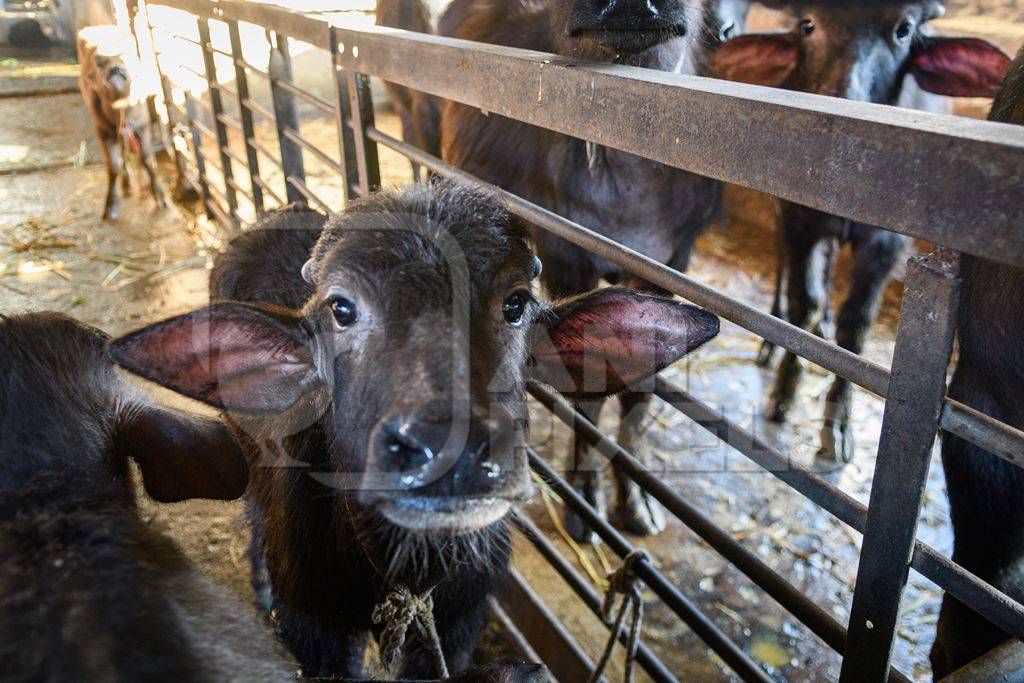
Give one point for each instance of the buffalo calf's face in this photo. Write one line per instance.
(423, 332)
(863, 51)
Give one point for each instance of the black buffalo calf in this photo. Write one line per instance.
(376, 375)
(986, 493)
(872, 51)
(89, 591)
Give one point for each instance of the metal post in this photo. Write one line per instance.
(286, 116)
(343, 112)
(217, 106)
(362, 118)
(168, 132)
(197, 145)
(245, 115)
(924, 343)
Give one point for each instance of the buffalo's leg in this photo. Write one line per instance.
(148, 162)
(115, 170)
(767, 350)
(636, 511)
(586, 476)
(809, 256)
(875, 253)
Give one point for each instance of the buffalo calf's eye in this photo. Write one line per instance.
(903, 31)
(807, 26)
(514, 308)
(344, 311)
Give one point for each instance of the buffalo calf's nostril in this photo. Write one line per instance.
(403, 449)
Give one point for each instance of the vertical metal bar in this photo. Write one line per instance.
(217, 106)
(924, 343)
(168, 132)
(245, 116)
(362, 118)
(286, 116)
(197, 145)
(343, 112)
(558, 649)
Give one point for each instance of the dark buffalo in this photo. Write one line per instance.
(381, 401)
(872, 51)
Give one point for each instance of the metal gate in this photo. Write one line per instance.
(763, 139)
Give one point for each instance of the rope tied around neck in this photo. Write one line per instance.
(399, 610)
(623, 581)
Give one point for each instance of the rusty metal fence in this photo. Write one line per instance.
(955, 182)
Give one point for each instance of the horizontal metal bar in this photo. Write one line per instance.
(707, 631)
(954, 181)
(858, 370)
(234, 156)
(300, 185)
(210, 162)
(762, 138)
(265, 186)
(799, 605)
(986, 600)
(175, 36)
(590, 597)
(226, 89)
(513, 636)
(257, 108)
(327, 161)
(984, 431)
(558, 649)
(237, 187)
(307, 97)
(217, 51)
(204, 130)
(220, 214)
(230, 122)
(252, 69)
(266, 153)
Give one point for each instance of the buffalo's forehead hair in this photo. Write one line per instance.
(420, 238)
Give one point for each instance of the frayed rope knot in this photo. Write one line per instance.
(623, 581)
(399, 610)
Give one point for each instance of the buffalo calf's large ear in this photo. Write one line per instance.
(182, 456)
(605, 341)
(233, 356)
(756, 58)
(959, 67)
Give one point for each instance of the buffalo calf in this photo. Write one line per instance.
(652, 208)
(109, 81)
(375, 368)
(859, 51)
(986, 493)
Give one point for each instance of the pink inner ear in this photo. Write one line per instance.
(756, 58)
(613, 338)
(960, 67)
(228, 356)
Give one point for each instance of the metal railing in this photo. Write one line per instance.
(763, 139)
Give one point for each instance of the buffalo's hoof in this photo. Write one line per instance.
(112, 213)
(837, 436)
(162, 202)
(640, 514)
